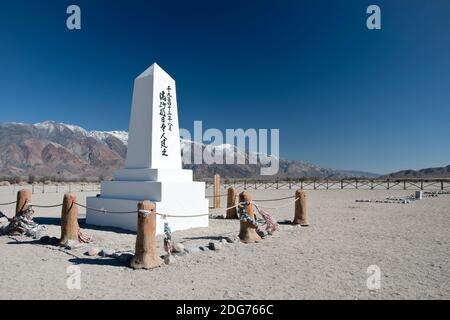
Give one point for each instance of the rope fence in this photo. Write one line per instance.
(159, 214)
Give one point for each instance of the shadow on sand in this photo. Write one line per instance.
(99, 262)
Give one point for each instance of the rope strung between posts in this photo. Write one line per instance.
(283, 206)
(41, 206)
(8, 203)
(160, 214)
(269, 200)
(218, 196)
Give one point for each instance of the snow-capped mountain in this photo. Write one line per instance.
(56, 149)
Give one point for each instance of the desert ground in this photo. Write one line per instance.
(410, 243)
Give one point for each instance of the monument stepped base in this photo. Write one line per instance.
(171, 198)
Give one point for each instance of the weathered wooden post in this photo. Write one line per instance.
(301, 211)
(69, 220)
(247, 232)
(216, 191)
(23, 201)
(145, 256)
(231, 202)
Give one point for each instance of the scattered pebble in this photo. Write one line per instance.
(215, 245)
(178, 247)
(106, 252)
(92, 252)
(231, 239)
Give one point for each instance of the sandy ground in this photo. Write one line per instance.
(410, 243)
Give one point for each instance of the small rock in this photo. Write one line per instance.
(231, 239)
(191, 249)
(202, 248)
(44, 239)
(178, 247)
(169, 259)
(92, 252)
(223, 241)
(215, 245)
(106, 252)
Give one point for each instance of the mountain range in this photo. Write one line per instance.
(429, 173)
(67, 151)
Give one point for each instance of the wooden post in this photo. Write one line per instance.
(145, 256)
(421, 184)
(442, 184)
(23, 201)
(216, 191)
(69, 219)
(301, 212)
(247, 232)
(342, 183)
(231, 201)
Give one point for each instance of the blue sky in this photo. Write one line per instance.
(342, 96)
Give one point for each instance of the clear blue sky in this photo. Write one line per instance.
(343, 96)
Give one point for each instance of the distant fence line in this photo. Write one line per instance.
(326, 184)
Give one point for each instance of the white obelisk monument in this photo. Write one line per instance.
(153, 169)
